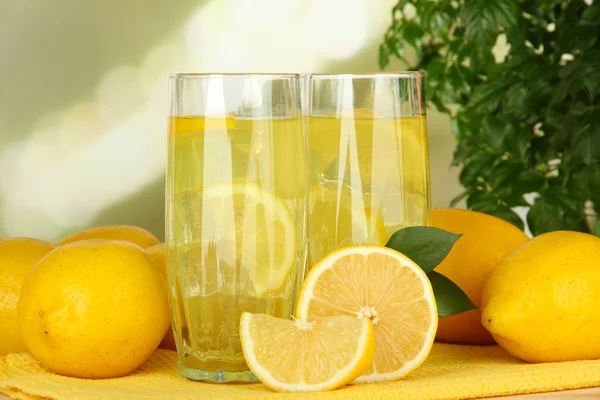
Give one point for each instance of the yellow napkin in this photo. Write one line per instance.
(450, 372)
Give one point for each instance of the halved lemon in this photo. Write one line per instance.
(387, 287)
(260, 229)
(297, 356)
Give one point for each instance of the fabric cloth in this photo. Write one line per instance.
(450, 372)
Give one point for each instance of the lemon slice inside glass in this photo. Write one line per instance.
(260, 229)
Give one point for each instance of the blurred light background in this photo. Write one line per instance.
(83, 98)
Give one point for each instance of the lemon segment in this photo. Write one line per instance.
(297, 356)
(387, 287)
(260, 229)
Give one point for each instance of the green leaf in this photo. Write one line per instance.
(591, 16)
(482, 60)
(585, 180)
(459, 76)
(384, 57)
(518, 135)
(393, 45)
(489, 203)
(412, 34)
(585, 144)
(463, 125)
(434, 19)
(493, 131)
(483, 19)
(435, 71)
(462, 151)
(556, 209)
(571, 76)
(504, 174)
(544, 217)
(505, 213)
(476, 165)
(447, 93)
(509, 215)
(531, 181)
(591, 80)
(516, 101)
(450, 298)
(487, 96)
(563, 198)
(425, 245)
(560, 93)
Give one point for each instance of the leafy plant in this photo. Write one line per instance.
(527, 122)
(427, 247)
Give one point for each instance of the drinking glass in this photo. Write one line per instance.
(368, 159)
(236, 212)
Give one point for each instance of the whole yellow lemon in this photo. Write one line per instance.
(541, 303)
(93, 309)
(158, 254)
(486, 241)
(17, 256)
(129, 233)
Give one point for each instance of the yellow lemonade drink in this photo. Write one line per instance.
(235, 233)
(368, 177)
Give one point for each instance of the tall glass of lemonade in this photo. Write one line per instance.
(368, 159)
(236, 212)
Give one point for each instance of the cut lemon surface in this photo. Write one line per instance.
(259, 228)
(297, 356)
(387, 287)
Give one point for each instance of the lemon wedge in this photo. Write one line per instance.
(297, 356)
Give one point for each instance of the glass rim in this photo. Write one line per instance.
(398, 74)
(204, 75)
